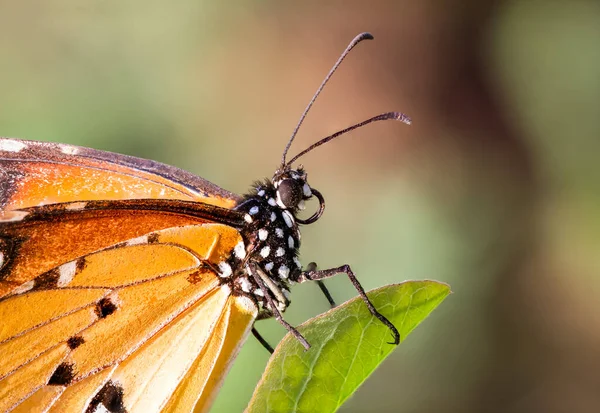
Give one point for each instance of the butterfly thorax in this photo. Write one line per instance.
(271, 240)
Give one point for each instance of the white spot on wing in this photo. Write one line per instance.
(10, 145)
(273, 217)
(297, 262)
(240, 250)
(269, 266)
(259, 292)
(288, 218)
(272, 202)
(137, 241)
(253, 210)
(263, 234)
(226, 270)
(101, 409)
(24, 287)
(69, 149)
(261, 192)
(280, 252)
(75, 206)
(265, 251)
(279, 232)
(283, 272)
(12, 216)
(290, 242)
(248, 218)
(66, 272)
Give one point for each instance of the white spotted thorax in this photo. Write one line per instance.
(271, 239)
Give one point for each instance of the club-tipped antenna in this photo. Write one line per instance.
(353, 43)
(384, 116)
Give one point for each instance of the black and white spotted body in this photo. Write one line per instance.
(271, 240)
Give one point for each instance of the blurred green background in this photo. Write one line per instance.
(493, 189)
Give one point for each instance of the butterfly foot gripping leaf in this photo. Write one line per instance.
(127, 285)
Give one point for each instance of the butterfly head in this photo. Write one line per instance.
(291, 188)
(292, 191)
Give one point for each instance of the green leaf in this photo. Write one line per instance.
(348, 343)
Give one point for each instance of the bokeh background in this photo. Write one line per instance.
(493, 189)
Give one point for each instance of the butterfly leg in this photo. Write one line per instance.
(262, 340)
(312, 266)
(255, 271)
(326, 293)
(313, 274)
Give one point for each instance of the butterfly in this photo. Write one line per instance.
(127, 285)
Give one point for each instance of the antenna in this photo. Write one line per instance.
(384, 116)
(353, 43)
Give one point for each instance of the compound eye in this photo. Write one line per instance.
(290, 192)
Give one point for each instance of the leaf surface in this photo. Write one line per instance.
(348, 344)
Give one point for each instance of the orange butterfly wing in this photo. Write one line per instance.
(48, 236)
(107, 289)
(40, 173)
(143, 324)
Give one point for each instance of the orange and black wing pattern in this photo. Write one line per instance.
(114, 304)
(41, 173)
